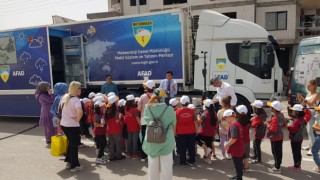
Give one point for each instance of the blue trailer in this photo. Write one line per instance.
(131, 49)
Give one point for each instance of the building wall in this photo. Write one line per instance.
(287, 36)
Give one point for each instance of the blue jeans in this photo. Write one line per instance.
(315, 150)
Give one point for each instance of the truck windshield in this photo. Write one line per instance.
(314, 49)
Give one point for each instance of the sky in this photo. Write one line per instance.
(26, 13)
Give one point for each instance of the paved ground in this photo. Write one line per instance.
(26, 156)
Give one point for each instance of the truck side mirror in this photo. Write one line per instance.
(195, 57)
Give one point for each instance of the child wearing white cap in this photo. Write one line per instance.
(100, 130)
(143, 101)
(235, 146)
(132, 120)
(185, 131)
(244, 120)
(173, 102)
(275, 134)
(208, 122)
(113, 129)
(257, 122)
(224, 126)
(296, 136)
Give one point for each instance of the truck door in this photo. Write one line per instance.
(254, 70)
(74, 60)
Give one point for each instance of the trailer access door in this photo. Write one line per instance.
(74, 59)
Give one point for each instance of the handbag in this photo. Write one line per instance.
(58, 145)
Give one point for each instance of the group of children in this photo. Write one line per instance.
(121, 121)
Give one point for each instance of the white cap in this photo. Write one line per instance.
(173, 102)
(184, 100)
(275, 105)
(257, 104)
(297, 107)
(150, 84)
(110, 94)
(85, 100)
(99, 103)
(207, 102)
(98, 98)
(228, 113)
(121, 102)
(112, 99)
(242, 109)
(136, 99)
(191, 106)
(91, 95)
(99, 94)
(130, 97)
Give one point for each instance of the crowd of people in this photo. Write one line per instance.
(158, 127)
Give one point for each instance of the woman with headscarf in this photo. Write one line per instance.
(160, 154)
(45, 98)
(71, 115)
(60, 89)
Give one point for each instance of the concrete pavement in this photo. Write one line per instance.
(26, 156)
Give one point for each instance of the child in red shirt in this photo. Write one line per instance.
(132, 120)
(244, 120)
(296, 137)
(235, 146)
(275, 134)
(113, 129)
(100, 130)
(257, 122)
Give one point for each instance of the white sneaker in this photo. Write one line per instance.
(100, 161)
(76, 169)
(274, 170)
(309, 153)
(208, 161)
(68, 166)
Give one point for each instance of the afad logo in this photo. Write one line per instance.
(142, 31)
(5, 73)
(221, 63)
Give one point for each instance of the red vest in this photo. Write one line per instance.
(185, 121)
(131, 121)
(237, 149)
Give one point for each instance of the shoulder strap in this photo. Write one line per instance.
(148, 95)
(163, 112)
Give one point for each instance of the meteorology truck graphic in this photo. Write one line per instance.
(133, 49)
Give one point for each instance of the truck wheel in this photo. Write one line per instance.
(243, 101)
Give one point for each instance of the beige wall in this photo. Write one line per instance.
(283, 36)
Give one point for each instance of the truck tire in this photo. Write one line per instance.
(243, 101)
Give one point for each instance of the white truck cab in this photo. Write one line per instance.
(240, 53)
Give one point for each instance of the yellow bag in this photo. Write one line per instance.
(58, 145)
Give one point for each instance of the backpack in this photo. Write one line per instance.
(261, 130)
(155, 131)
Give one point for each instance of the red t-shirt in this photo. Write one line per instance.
(113, 127)
(185, 121)
(88, 110)
(131, 121)
(256, 121)
(236, 132)
(246, 136)
(206, 128)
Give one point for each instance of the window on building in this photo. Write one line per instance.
(231, 15)
(276, 21)
(134, 2)
(168, 2)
